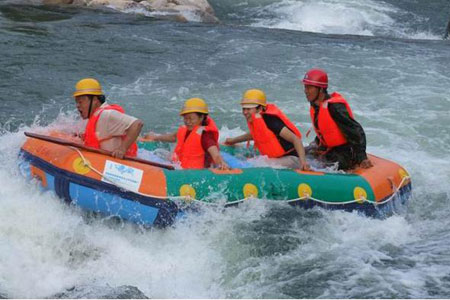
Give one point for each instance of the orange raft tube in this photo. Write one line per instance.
(153, 194)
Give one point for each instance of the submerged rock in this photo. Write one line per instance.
(179, 10)
(96, 292)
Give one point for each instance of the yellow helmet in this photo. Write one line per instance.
(253, 98)
(88, 86)
(194, 105)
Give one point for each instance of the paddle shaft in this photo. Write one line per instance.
(59, 141)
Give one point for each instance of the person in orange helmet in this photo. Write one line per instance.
(271, 130)
(108, 127)
(197, 140)
(339, 137)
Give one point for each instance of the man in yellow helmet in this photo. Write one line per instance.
(271, 130)
(197, 140)
(108, 127)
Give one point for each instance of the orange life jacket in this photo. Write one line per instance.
(189, 151)
(90, 136)
(264, 138)
(328, 131)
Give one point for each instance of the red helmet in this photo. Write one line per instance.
(316, 77)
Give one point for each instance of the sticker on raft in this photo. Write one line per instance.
(122, 175)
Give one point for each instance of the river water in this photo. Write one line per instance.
(386, 57)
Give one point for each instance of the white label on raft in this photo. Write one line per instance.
(122, 175)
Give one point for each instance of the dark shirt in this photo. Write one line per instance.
(354, 151)
(351, 129)
(276, 125)
(207, 141)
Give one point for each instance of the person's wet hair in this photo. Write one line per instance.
(205, 117)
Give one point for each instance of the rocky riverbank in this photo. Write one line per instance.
(179, 10)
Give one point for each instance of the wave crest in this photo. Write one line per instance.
(356, 17)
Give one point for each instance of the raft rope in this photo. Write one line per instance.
(86, 163)
(360, 200)
(190, 199)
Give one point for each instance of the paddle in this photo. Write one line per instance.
(95, 150)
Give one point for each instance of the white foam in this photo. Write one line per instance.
(356, 17)
(47, 246)
(204, 256)
(56, 248)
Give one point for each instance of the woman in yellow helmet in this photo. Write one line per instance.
(271, 130)
(197, 140)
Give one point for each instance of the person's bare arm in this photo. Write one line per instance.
(168, 137)
(289, 136)
(130, 137)
(217, 158)
(242, 138)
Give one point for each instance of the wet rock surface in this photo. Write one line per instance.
(99, 292)
(179, 10)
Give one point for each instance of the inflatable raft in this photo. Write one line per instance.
(155, 194)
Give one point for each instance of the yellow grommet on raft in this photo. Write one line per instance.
(250, 190)
(304, 191)
(80, 166)
(359, 194)
(188, 191)
(403, 173)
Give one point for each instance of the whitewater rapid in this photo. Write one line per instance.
(396, 84)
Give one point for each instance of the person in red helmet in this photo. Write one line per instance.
(339, 137)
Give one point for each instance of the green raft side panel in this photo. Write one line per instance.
(273, 184)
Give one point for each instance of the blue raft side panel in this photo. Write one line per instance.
(111, 204)
(101, 197)
(50, 181)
